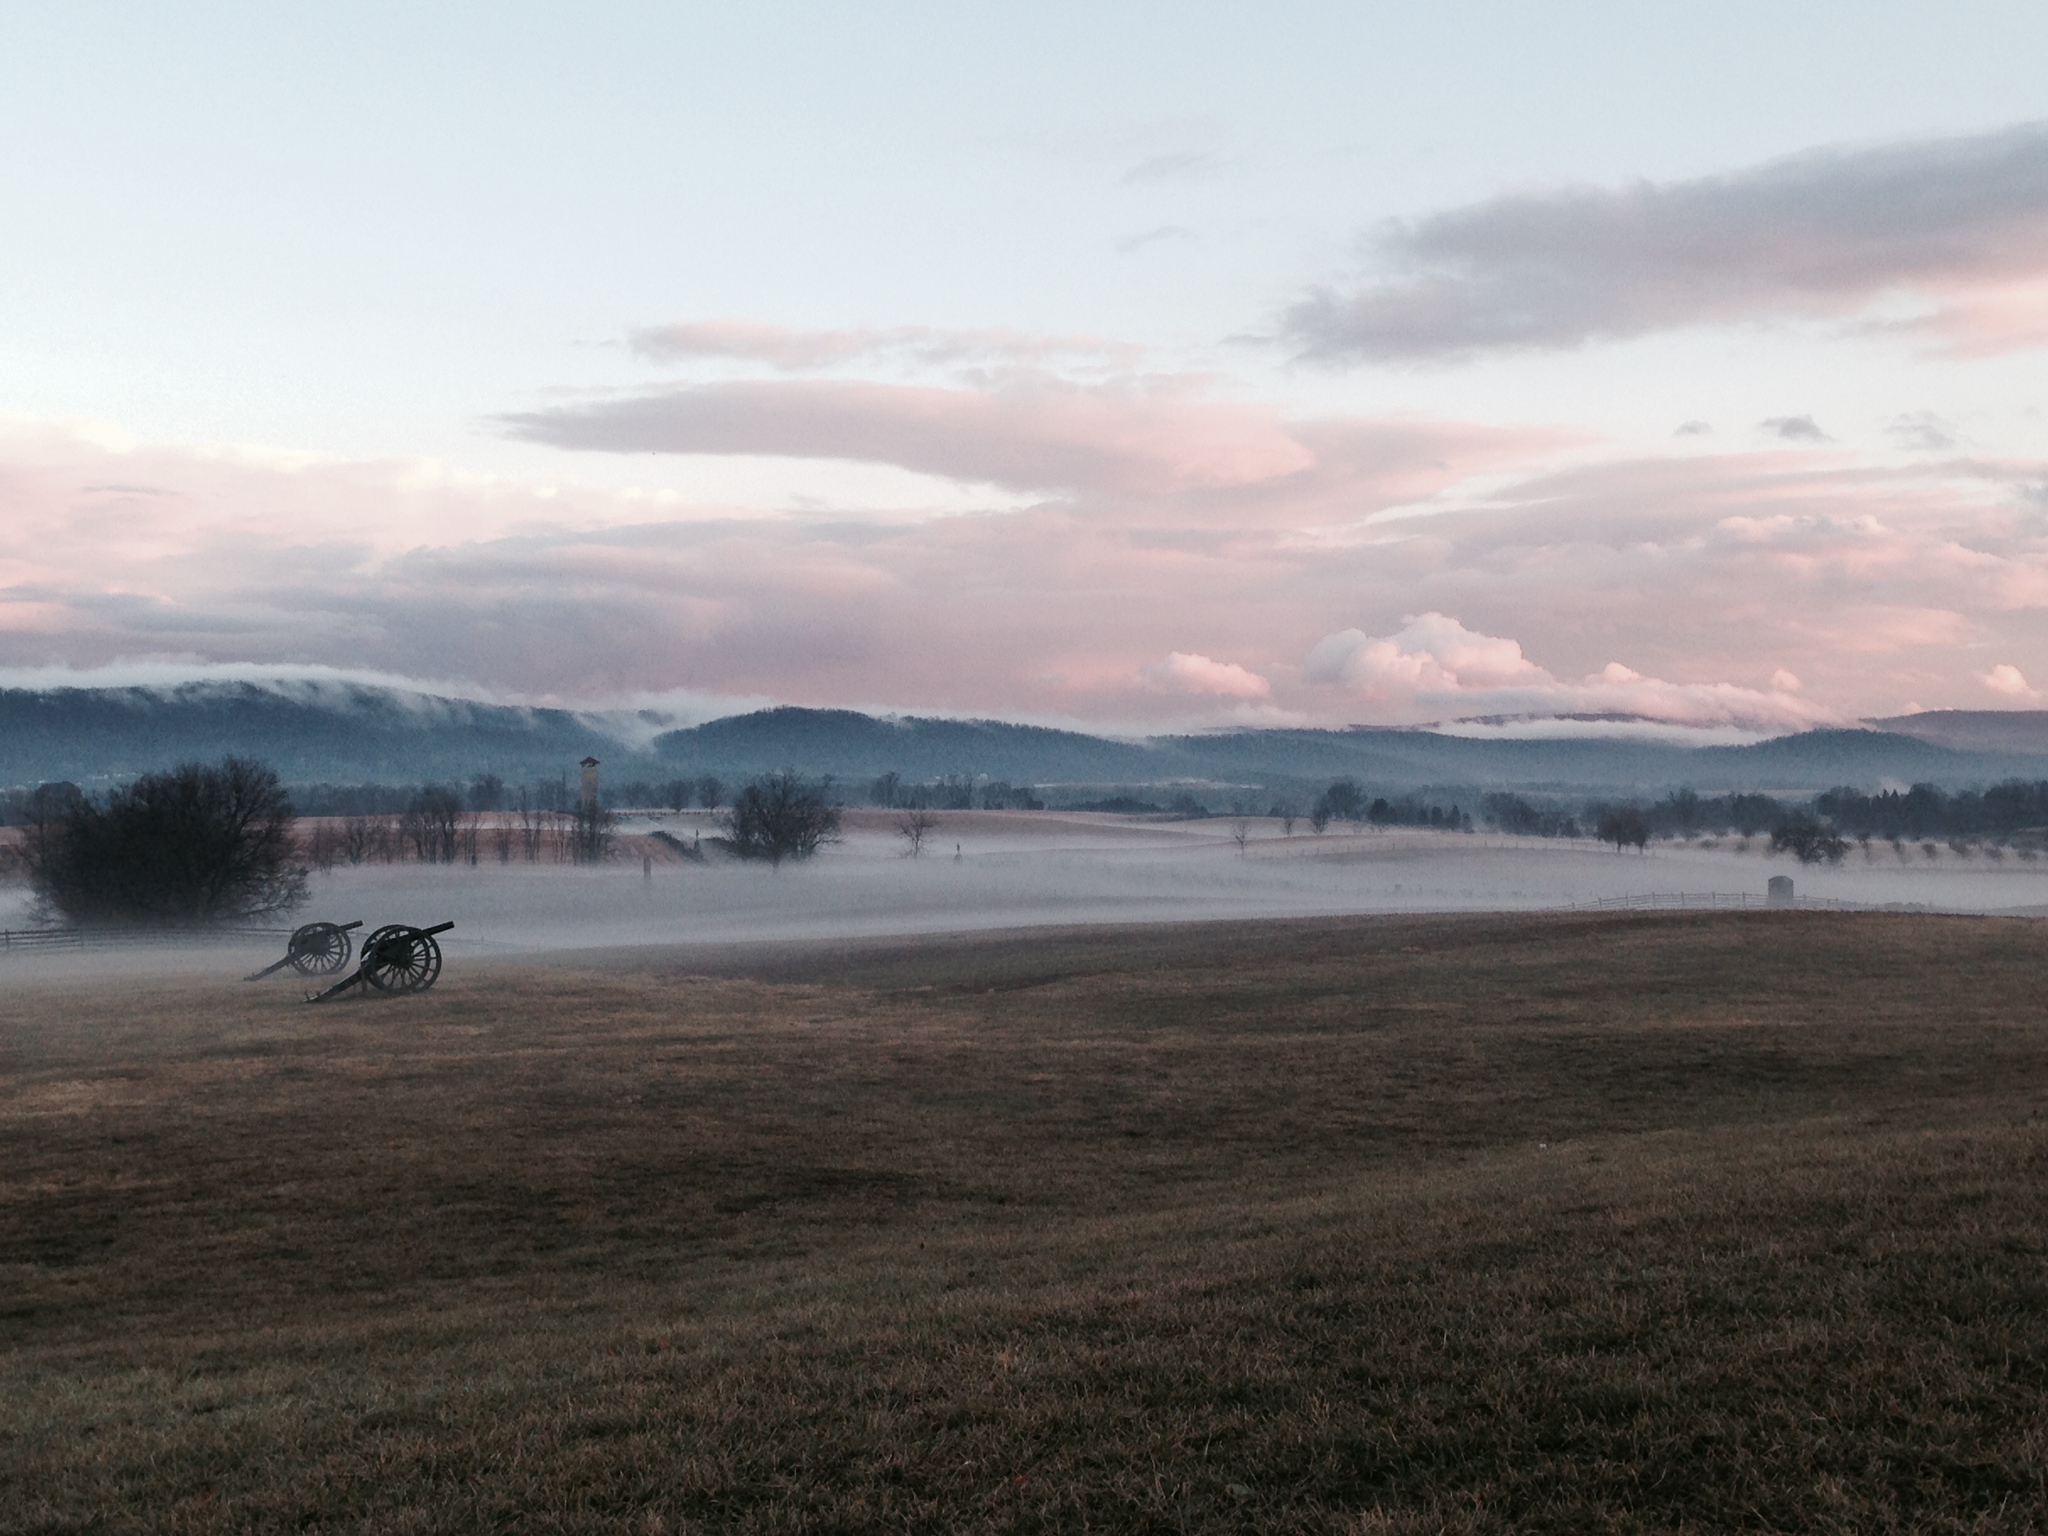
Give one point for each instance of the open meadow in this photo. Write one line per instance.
(1399, 1223)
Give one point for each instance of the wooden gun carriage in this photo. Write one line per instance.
(314, 949)
(396, 959)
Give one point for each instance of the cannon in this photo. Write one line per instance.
(395, 959)
(316, 949)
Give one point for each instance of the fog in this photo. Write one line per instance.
(986, 870)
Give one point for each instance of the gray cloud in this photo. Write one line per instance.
(1922, 432)
(1823, 234)
(1170, 149)
(1043, 438)
(1795, 429)
(1157, 442)
(1693, 429)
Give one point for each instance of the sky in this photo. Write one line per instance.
(1129, 366)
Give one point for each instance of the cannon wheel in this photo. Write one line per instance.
(398, 958)
(318, 949)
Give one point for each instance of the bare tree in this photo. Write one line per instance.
(1624, 826)
(914, 826)
(1809, 841)
(433, 825)
(1344, 800)
(592, 834)
(779, 817)
(710, 793)
(1241, 834)
(323, 845)
(49, 810)
(358, 838)
(196, 844)
(532, 828)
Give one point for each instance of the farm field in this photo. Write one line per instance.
(1397, 1223)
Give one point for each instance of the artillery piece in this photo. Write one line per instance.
(315, 949)
(396, 959)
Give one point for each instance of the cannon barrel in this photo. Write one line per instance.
(403, 936)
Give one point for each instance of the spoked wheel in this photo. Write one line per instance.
(319, 949)
(397, 958)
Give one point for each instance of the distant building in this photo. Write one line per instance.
(1780, 892)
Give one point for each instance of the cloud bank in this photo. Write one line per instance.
(1957, 226)
(1120, 442)
(1185, 561)
(1434, 664)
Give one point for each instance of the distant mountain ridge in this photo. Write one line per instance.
(354, 733)
(856, 746)
(2022, 731)
(314, 732)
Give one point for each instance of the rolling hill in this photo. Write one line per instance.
(350, 733)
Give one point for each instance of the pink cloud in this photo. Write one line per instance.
(1433, 666)
(1206, 461)
(2010, 681)
(1180, 672)
(1701, 576)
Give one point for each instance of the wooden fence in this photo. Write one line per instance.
(45, 939)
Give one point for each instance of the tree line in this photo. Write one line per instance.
(1815, 830)
(486, 792)
(209, 843)
(2014, 808)
(203, 843)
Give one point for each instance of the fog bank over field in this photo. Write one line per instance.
(1018, 870)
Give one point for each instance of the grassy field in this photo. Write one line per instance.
(1649, 1222)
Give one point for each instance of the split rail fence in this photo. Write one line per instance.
(44, 939)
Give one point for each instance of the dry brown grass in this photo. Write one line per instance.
(1654, 1222)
